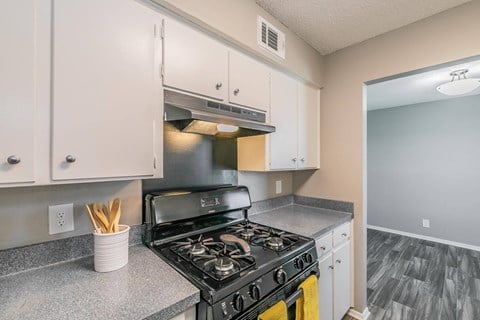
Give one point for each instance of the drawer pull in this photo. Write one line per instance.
(323, 248)
(13, 160)
(218, 85)
(70, 159)
(331, 267)
(344, 234)
(338, 261)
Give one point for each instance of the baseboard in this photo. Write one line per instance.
(419, 236)
(359, 316)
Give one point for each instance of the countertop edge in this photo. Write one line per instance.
(175, 309)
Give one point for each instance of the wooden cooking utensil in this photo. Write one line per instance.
(89, 208)
(115, 213)
(100, 216)
(230, 238)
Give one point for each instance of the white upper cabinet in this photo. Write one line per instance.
(17, 90)
(194, 62)
(283, 115)
(249, 82)
(106, 88)
(308, 127)
(295, 144)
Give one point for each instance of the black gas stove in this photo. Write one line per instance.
(240, 267)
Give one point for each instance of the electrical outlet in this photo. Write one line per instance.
(426, 223)
(278, 186)
(60, 218)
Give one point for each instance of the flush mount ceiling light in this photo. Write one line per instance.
(459, 84)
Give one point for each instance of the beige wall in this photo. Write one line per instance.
(450, 35)
(236, 22)
(262, 185)
(24, 211)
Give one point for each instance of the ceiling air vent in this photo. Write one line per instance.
(270, 38)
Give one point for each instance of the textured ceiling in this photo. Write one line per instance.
(417, 88)
(330, 25)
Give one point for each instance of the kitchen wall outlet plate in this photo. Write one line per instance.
(426, 223)
(60, 218)
(278, 186)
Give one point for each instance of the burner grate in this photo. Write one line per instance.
(215, 259)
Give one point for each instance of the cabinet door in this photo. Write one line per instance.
(17, 86)
(194, 62)
(325, 288)
(249, 82)
(341, 281)
(308, 127)
(283, 115)
(106, 84)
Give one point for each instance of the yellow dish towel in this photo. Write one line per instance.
(307, 304)
(276, 312)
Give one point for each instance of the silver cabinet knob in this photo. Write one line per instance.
(338, 261)
(323, 248)
(303, 159)
(236, 91)
(70, 159)
(294, 159)
(218, 85)
(13, 159)
(344, 234)
(331, 267)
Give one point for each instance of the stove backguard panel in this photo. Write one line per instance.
(191, 160)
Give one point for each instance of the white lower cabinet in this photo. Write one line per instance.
(325, 288)
(334, 284)
(187, 315)
(341, 281)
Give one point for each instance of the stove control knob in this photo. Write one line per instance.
(281, 276)
(298, 263)
(238, 302)
(254, 292)
(308, 258)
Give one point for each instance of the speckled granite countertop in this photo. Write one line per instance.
(307, 221)
(145, 287)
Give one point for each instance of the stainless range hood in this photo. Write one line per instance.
(196, 115)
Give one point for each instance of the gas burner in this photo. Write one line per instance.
(275, 243)
(189, 247)
(275, 240)
(223, 263)
(197, 249)
(247, 230)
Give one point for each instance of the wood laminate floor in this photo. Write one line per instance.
(413, 279)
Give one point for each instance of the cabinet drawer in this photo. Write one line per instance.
(324, 244)
(341, 234)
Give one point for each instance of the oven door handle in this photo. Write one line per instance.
(293, 298)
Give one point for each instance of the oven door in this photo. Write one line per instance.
(288, 293)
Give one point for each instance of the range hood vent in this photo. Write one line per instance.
(196, 115)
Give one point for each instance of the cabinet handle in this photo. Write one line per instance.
(13, 160)
(338, 261)
(331, 267)
(344, 234)
(218, 85)
(294, 159)
(70, 159)
(303, 159)
(236, 91)
(323, 248)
